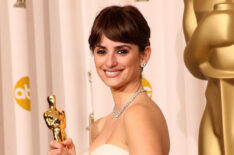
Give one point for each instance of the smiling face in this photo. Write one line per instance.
(117, 63)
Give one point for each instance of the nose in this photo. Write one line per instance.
(111, 60)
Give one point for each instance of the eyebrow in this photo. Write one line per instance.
(117, 47)
(121, 46)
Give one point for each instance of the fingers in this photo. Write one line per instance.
(63, 148)
(70, 146)
(57, 152)
(56, 148)
(68, 142)
(56, 145)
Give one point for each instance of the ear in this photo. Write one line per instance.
(146, 55)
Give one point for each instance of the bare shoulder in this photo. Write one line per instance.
(146, 108)
(146, 128)
(145, 111)
(95, 128)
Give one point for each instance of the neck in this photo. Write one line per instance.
(122, 95)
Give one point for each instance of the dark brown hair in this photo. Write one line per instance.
(124, 24)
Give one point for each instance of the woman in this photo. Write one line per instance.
(120, 44)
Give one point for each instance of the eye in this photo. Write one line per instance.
(122, 51)
(101, 52)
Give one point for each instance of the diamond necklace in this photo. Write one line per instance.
(116, 114)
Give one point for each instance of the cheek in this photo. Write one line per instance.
(97, 61)
(98, 66)
(133, 62)
(133, 65)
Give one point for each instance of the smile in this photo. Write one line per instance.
(112, 74)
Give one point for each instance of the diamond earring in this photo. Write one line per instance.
(142, 65)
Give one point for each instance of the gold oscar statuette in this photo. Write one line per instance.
(55, 120)
(209, 55)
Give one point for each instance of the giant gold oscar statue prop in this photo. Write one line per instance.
(55, 120)
(209, 55)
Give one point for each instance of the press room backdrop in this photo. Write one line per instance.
(44, 50)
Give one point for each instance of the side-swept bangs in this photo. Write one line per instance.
(123, 24)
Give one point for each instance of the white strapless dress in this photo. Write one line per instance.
(108, 149)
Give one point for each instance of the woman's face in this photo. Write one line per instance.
(117, 63)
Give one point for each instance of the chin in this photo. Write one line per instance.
(113, 84)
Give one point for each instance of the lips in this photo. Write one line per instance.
(112, 74)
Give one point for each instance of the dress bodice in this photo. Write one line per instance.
(108, 149)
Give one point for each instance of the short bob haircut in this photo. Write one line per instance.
(123, 24)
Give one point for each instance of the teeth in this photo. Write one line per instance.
(112, 73)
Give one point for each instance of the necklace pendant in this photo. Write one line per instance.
(116, 114)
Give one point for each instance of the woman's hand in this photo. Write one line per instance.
(64, 148)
